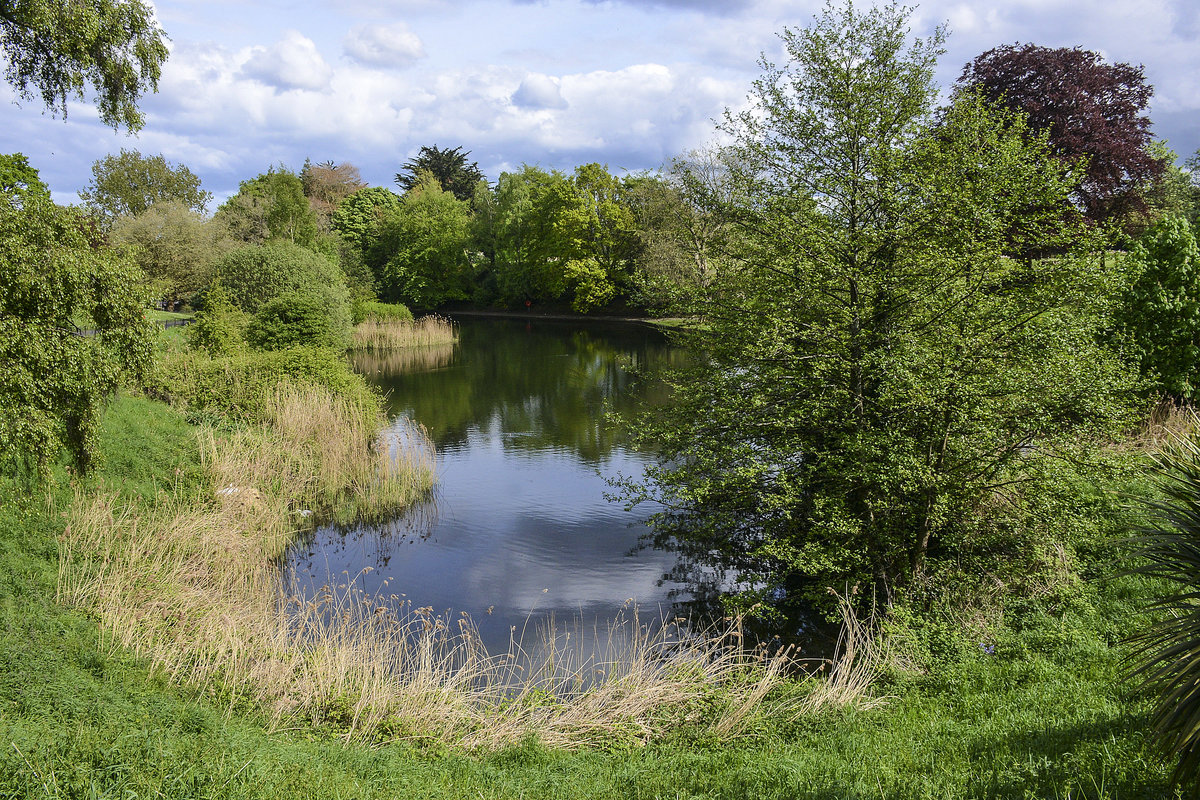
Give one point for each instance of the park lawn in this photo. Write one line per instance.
(1047, 714)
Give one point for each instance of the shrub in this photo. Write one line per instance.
(292, 319)
(256, 275)
(233, 387)
(1168, 648)
(219, 328)
(383, 312)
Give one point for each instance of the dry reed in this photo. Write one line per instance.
(1170, 421)
(391, 334)
(197, 590)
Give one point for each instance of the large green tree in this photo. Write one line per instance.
(357, 217)
(19, 181)
(271, 206)
(420, 258)
(881, 383)
(55, 48)
(175, 245)
(448, 165)
(129, 183)
(1160, 312)
(54, 274)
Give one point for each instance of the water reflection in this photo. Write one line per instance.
(518, 530)
(409, 359)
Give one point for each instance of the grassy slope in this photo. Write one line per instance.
(1044, 717)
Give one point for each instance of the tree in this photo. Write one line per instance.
(879, 375)
(680, 238)
(270, 206)
(129, 183)
(525, 265)
(596, 239)
(420, 258)
(175, 246)
(55, 381)
(1092, 112)
(19, 181)
(449, 167)
(358, 216)
(328, 184)
(1160, 310)
(55, 47)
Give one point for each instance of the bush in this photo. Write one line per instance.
(292, 319)
(383, 312)
(256, 275)
(233, 387)
(219, 328)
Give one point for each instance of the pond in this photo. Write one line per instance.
(518, 531)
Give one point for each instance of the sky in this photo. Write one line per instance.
(630, 84)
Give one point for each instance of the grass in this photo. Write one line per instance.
(164, 316)
(377, 334)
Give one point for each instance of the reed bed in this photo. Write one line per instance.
(196, 589)
(391, 334)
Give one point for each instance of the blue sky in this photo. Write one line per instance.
(558, 83)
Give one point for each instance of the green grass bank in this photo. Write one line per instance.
(1044, 714)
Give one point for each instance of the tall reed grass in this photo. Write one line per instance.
(390, 334)
(196, 588)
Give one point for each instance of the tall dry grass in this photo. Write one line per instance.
(1169, 421)
(196, 588)
(391, 334)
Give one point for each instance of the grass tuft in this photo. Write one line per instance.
(390, 334)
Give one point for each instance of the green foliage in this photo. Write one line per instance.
(233, 387)
(128, 184)
(551, 237)
(881, 374)
(358, 217)
(447, 166)
(384, 312)
(1168, 647)
(53, 48)
(1160, 309)
(55, 382)
(678, 236)
(517, 235)
(220, 326)
(594, 235)
(176, 246)
(270, 207)
(420, 257)
(292, 319)
(19, 181)
(255, 275)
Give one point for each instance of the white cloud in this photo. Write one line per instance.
(383, 45)
(539, 91)
(291, 63)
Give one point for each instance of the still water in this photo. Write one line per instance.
(518, 530)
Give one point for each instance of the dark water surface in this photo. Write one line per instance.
(518, 528)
